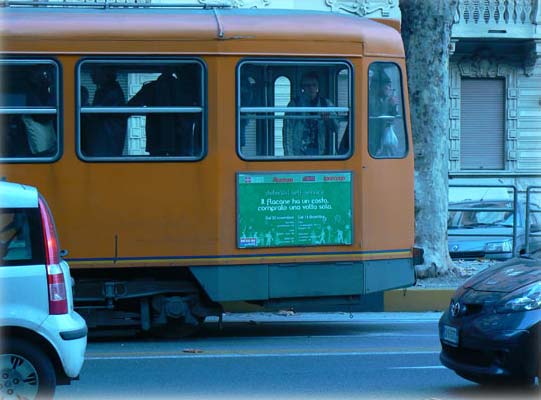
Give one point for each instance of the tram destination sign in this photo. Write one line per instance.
(294, 209)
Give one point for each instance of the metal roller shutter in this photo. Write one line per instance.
(482, 124)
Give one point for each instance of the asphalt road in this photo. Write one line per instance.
(267, 356)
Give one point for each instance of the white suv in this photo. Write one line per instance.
(42, 340)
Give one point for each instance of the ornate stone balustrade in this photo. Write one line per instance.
(498, 19)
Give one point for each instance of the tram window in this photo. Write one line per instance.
(386, 124)
(294, 109)
(141, 110)
(29, 109)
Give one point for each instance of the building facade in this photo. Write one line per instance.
(495, 92)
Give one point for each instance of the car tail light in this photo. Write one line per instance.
(58, 301)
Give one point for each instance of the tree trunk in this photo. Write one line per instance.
(426, 31)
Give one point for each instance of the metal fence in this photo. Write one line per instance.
(532, 230)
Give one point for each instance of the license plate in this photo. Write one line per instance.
(450, 335)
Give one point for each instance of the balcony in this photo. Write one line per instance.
(509, 19)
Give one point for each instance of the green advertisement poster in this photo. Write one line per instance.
(294, 209)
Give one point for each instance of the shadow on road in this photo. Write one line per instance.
(252, 328)
(478, 392)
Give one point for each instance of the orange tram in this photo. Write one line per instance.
(194, 157)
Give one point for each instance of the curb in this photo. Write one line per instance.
(417, 300)
(399, 300)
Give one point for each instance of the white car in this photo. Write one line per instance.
(42, 339)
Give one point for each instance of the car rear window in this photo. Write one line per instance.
(21, 238)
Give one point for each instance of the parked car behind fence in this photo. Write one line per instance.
(494, 229)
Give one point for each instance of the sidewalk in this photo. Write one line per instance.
(262, 317)
(432, 294)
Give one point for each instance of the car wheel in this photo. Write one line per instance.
(26, 371)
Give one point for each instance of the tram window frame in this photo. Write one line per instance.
(145, 65)
(374, 149)
(297, 68)
(31, 145)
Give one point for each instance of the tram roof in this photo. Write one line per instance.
(207, 25)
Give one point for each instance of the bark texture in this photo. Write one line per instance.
(426, 31)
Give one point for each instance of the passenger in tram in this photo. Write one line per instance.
(103, 135)
(316, 134)
(385, 102)
(15, 143)
(40, 128)
(383, 109)
(14, 94)
(169, 134)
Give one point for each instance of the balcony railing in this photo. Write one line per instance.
(498, 18)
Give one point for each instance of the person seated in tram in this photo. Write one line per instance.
(103, 135)
(311, 136)
(383, 108)
(40, 128)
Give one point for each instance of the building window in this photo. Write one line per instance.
(133, 110)
(29, 111)
(482, 124)
(294, 110)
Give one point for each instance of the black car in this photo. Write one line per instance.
(491, 332)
